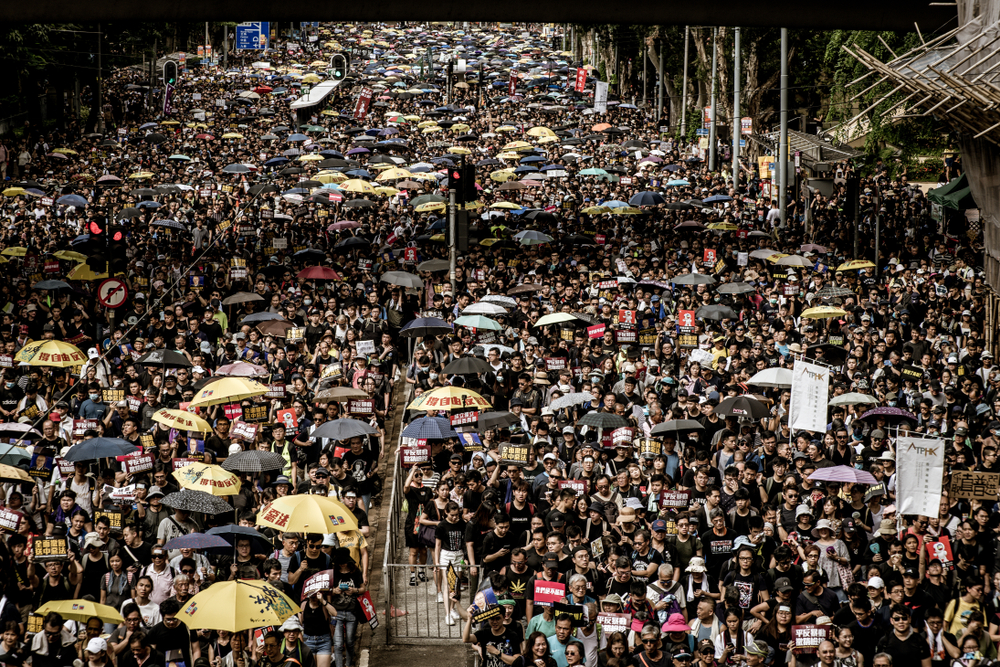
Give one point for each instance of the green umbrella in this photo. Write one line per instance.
(478, 322)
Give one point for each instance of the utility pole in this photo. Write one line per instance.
(736, 111)
(878, 225)
(645, 68)
(712, 139)
(659, 85)
(684, 93)
(100, 84)
(452, 246)
(783, 138)
(206, 36)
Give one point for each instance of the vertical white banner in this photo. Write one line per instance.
(810, 391)
(919, 474)
(601, 97)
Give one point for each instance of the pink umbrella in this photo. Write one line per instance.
(343, 224)
(843, 474)
(242, 369)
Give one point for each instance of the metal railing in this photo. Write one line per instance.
(414, 615)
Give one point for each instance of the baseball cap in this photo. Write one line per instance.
(551, 558)
(659, 526)
(783, 585)
(155, 491)
(96, 645)
(876, 582)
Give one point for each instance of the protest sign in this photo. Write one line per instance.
(548, 593)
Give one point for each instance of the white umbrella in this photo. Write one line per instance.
(484, 308)
(569, 400)
(772, 377)
(854, 398)
(554, 318)
(500, 300)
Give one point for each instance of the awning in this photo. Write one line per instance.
(317, 94)
(955, 195)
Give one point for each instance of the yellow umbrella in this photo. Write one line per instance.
(386, 191)
(51, 353)
(331, 177)
(228, 390)
(776, 256)
(311, 78)
(10, 473)
(430, 206)
(16, 251)
(506, 204)
(394, 173)
(182, 420)
(856, 264)
(431, 130)
(459, 150)
(138, 176)
(232, 135)
(81, 610)
(596, 210)
(329, 112)
(517, 145)
(211, 479)
(506, 128)
(14, 192)
(723, 226)
(411, 118)
(83, 272)
(460, 127)
(169, 122)
(70, 151)
(307, 514)
(548, 140)
(427, 123)
(448, 398)
(357, 185)
(625, 210)
(823, 312)
(503, 175)
(311, 157)
(540, 132)
(70, 256)
(237, 606)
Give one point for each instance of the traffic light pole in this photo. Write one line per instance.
(452, 245)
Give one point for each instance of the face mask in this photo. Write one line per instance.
(9, 385)
(564, 387)
(307, 302)
(434, 376)
(94, 397)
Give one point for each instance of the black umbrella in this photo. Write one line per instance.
(254, 461)
(343, 429)
(51, 285)
(825, 352)
(716, 312)
(677, 426)
(241, 297)
(255, 318)
(744, 406)
(467, 366)
(353, 242)
(425, 326)
(488, 420)
(605, 420)
(258, 543)
(197, 501)
(167, 358)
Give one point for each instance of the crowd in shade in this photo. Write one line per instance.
(217, 309)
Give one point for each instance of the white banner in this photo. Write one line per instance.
(601, 97)
(919, 473)
(810, 390)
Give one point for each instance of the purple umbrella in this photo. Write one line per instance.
(358, 151)
(843, 474)
(197, 541)
(889, 413)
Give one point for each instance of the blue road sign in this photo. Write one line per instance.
(253, 36)
(701, 132)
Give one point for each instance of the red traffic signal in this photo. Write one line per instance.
(118, 235)
(96, 228)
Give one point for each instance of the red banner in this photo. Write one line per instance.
(548, 593)
(361, 107)
(581, 80)
(595, 331)
(512, 85)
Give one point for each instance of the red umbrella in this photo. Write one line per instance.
(209, 137)
(242, 369)
(261, 90)
(317, 273)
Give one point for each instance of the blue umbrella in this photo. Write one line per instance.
(430, 428)
(236, 169)
(173, 224)
(298, 137)
(72, 200)
(254, 318)
(197, 541)
(275, 161)
(100, 448)
(13, 456)
(149, 204)
(717, 198)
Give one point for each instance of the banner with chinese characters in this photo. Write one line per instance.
(975, 485)
(919, 473)
(810, 390)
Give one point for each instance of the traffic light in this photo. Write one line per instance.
(170, 72)
(97, 246)
(338, 66)
(117, 247)
(462, 179)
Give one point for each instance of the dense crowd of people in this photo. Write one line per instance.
(607, 505)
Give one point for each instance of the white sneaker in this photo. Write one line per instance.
(449, 619)
(440, 598)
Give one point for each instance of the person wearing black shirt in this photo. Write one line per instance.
(906, 646)
(305, 564)
(362, 463)
(495, 640)
(498, 545)
(717, 542)
(449, 549)
(171, 636)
